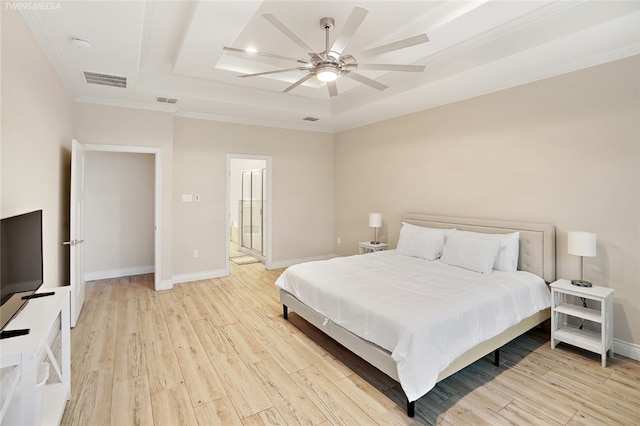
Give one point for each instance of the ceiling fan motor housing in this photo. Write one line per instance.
(327, 23)
(332, 62)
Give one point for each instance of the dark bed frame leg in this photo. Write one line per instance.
(411, 408)
(411, 405)
(285, 312)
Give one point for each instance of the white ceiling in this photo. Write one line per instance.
(174, 49)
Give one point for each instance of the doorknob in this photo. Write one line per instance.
(69, 243)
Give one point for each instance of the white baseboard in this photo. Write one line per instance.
(286, 263)
(117, 273)
(197, 276)
(630, 350)
(165, 285)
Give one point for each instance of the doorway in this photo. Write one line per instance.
(248, 209)
(76, 241)
(118, 225)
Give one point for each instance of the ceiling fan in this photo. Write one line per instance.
(332, 63)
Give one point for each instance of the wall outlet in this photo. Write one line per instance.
(195, 253)
(339, 240)
(196, 197)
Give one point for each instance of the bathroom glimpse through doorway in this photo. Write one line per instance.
(250, 229)
(248, 209)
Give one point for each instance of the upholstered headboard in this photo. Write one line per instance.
(537, 241)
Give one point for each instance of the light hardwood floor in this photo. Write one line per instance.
(219, 352)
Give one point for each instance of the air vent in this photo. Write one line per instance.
(105, 79)
(311, 119)
(166, 100)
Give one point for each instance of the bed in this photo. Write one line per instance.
(420, 316)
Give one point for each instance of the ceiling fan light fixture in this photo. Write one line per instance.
(327, 73)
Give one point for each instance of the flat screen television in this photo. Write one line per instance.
(20, 262)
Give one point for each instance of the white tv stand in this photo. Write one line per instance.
(22, 354)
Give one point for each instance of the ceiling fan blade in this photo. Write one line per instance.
(365, 80)
(392, 67)
(266, 55)
(298, 83)
(292, 36)
(272, 72)
(396, 45)
(349, 29)
(333, 88)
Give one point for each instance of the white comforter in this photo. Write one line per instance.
(426, 313)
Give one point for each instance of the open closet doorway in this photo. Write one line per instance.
(78, 219)
(123, 212)
(248, 208)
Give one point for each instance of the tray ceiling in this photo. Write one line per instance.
(173, 49)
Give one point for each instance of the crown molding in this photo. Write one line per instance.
(125, 104)
(250, 122)
(34, 22)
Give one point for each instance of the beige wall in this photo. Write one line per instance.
(119, 212)
(302, 168)
(105, 125)
(37, 128)
(563, 150)
(194, 161)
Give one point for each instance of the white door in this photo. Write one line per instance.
(76, 240)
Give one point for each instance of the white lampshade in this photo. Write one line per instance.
(582, 243)
(375, 220)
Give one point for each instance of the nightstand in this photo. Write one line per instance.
(562, 307)
(367, 247)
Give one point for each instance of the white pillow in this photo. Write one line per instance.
(507, 259)
(470, 250)
(420, 241)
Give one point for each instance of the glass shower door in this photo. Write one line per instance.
(252, 216)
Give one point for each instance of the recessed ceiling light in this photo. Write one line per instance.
(80, 43)
(251, 49)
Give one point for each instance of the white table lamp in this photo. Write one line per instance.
(375, 222)
(581, 244)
